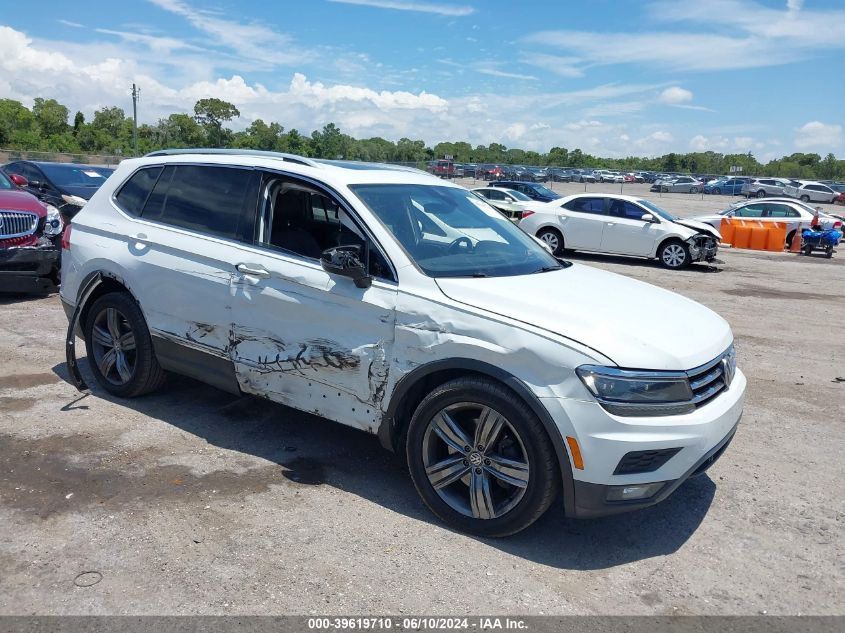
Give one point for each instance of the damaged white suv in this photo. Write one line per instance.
(395, 302)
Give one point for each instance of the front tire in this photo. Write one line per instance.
(120, 350)
(761, 194)
(805, 198)
(674, 254)
(717, 191)
(480, 459)
(553, 238)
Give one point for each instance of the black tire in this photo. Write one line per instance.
(693, 189)
(789, 238)
(674, 254)
(805, 198)
(717, 191)
(829, 252)
(808, 250)
(761, 193)
(543, 474)
(144, 375)
(553, 238)
(664, 189)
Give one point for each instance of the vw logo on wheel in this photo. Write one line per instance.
(475, 459)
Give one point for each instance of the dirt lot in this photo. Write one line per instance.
(194, 501)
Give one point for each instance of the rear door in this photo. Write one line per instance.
(300, 335)
(184, 247)
(583, 222)
(625, 231)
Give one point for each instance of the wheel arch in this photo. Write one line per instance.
(109, 282)
(414, 386)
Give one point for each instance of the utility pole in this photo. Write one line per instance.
(136, 94)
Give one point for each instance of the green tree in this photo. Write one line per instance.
(211, 114)
(14, 118)
(109, 120)
(78, 122)
(50, 115)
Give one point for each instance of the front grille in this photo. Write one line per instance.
(707, 381)
(17, 224)
(644, 461)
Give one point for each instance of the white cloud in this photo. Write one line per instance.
(75, 25)
(818, 135)
(563, 66)
(675, 96)
(794, 5)
(163, 45)
(421, 7)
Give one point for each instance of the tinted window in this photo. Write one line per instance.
(625, 209)
(5, 183)
(781, 211)
(750, 211)
(586, 205)
(218, 201)
(135, 192)
(75, 175)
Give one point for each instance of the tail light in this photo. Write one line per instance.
(525, 214)
(837, 225)
(66, 238)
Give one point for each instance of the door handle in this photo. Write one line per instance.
(253, 270)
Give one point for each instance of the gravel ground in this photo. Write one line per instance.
(192, 501)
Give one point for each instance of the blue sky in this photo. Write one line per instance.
(613, 77)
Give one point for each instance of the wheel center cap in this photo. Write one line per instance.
(475, 458)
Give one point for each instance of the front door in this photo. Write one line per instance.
(625, 231)
(301, 336)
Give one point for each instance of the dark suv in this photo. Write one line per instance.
(533, 190)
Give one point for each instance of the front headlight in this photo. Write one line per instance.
(638, 393)
(53, 224)
(76, 201)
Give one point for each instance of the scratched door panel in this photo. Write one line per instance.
(311, 340)
(182, 282)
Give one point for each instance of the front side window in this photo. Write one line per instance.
(626, 209)
(750, 211)
(299, 219)
(471, 239)
(219, 201)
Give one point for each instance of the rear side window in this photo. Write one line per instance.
(135, 192)
(782, 211)
(586, 205)
(219, 201)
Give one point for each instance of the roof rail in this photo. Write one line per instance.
(290, 158)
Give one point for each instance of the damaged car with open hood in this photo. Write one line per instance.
(391, 301)
(622, 225)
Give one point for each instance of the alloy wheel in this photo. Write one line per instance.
(674, 255)
(475, 460)
(550, 238)
(114, 346)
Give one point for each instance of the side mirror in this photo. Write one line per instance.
(19, 180)
(647, 217)
(37, 184)
(346, 261)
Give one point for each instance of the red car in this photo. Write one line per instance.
(443, 168)
(840, 199)
(29, 239)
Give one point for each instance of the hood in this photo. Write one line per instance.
(698, 226)
(17, 200)
(635, 324)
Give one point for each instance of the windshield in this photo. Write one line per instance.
(545, 192)
(519, 195)
(657, 210)
(75, 175)
(450, 232)
(5, 183)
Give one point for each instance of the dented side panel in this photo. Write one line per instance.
(313, 341)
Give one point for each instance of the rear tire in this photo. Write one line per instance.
(553, 238)
(805, 198)
(494, 488)
(674, 254)
(120, 350)
(717, 191)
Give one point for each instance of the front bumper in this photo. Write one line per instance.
(605, 439)
(28, 269)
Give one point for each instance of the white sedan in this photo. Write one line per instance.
(788, 210)
(621, 225)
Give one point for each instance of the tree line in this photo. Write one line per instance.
(47, 127)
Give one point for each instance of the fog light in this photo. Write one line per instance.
(634, 491)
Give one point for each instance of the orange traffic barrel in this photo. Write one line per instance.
(727, 229)
(742, 237)
(777, 237)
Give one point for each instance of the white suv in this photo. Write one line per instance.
(621, 225)
(389, 300)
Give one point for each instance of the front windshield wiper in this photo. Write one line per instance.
(546, 269)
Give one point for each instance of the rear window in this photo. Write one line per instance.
(135, 192)
(219, 201)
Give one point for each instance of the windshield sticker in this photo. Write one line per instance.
(93, 174)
